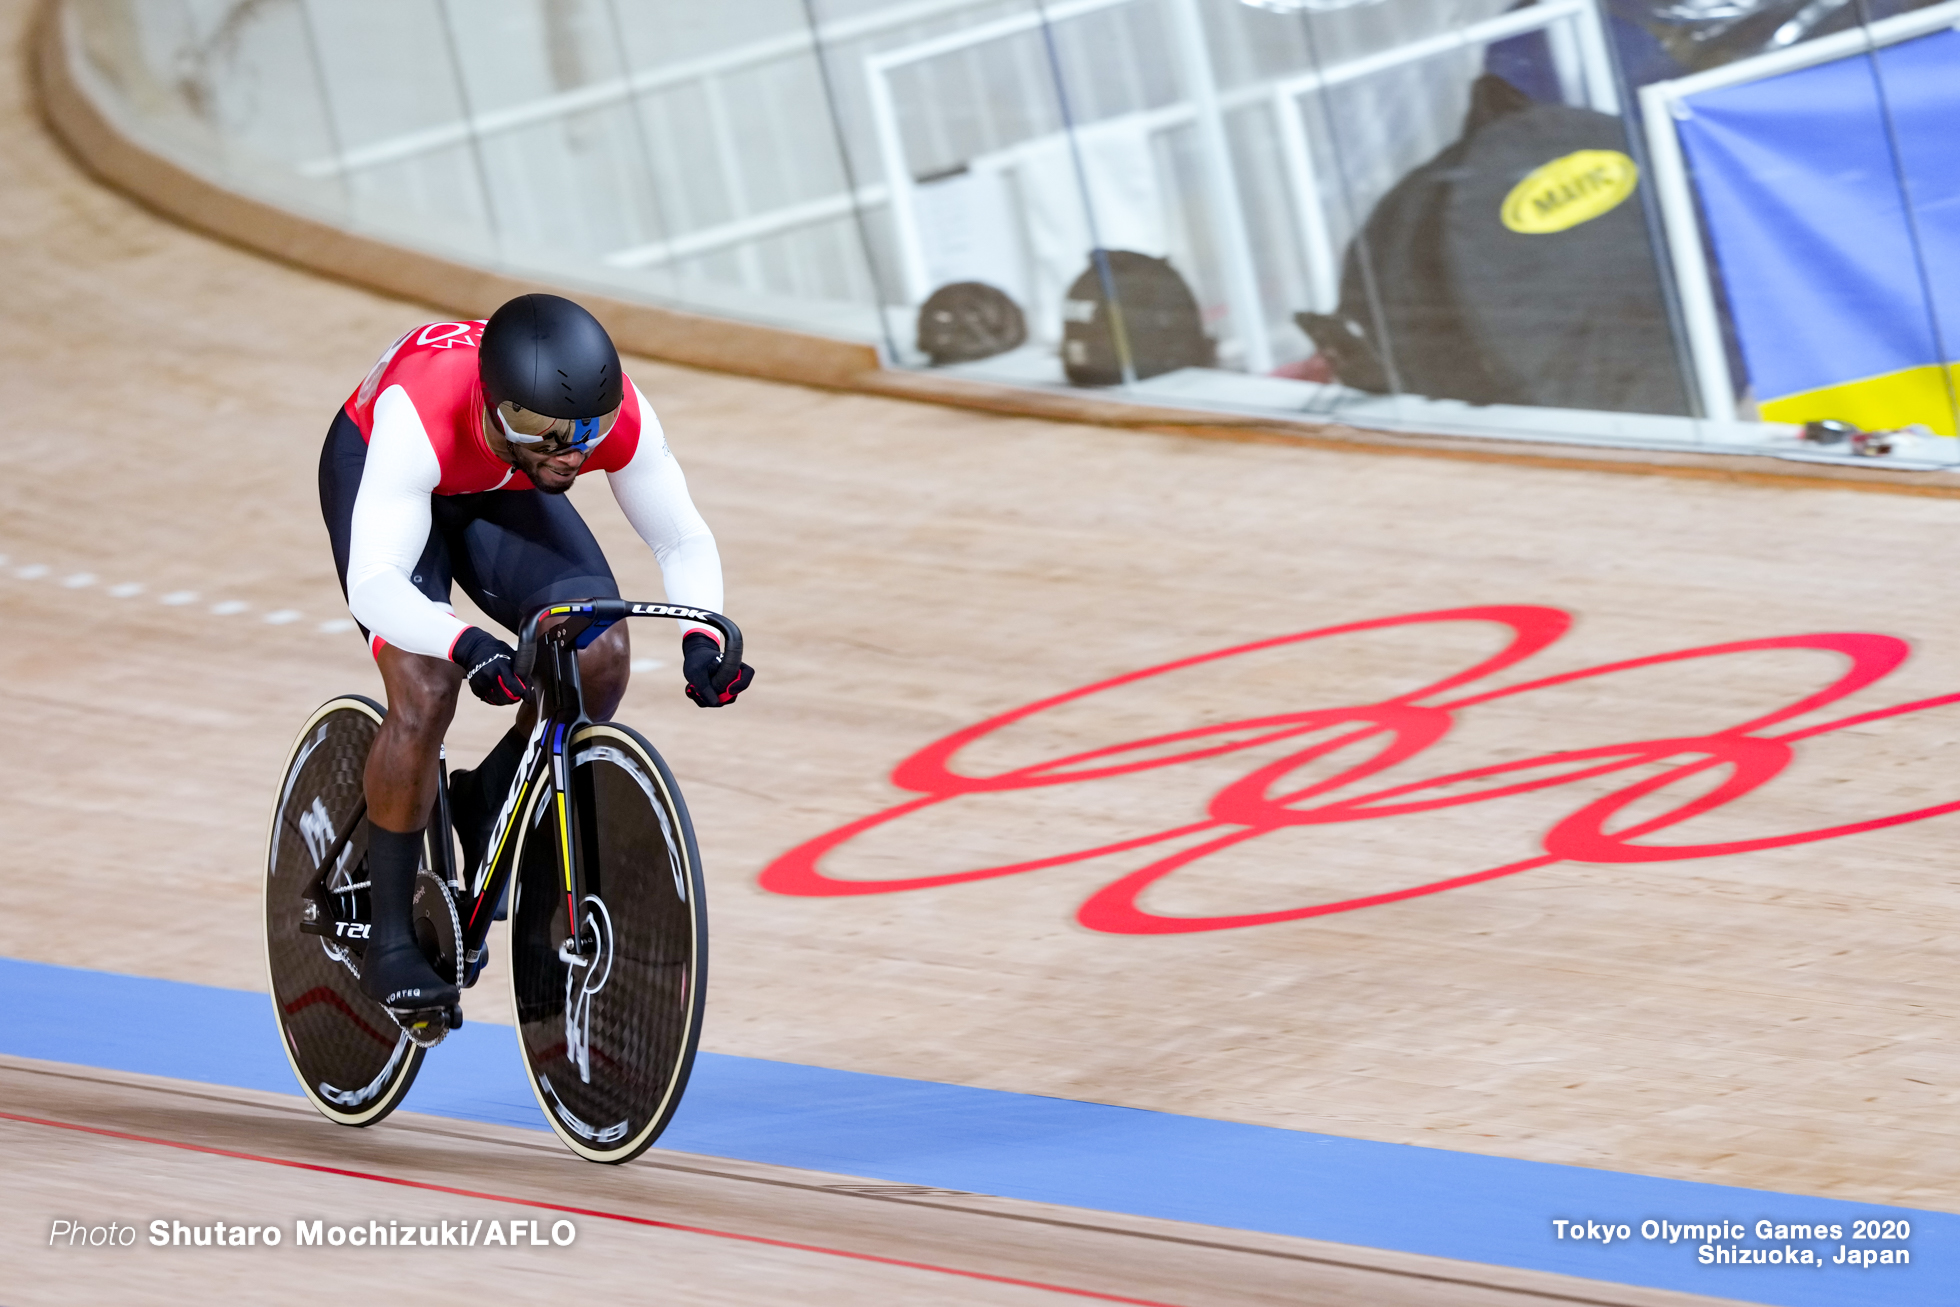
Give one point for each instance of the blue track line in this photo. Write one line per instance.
(1087, 1155)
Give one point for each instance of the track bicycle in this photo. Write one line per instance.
(608, 937)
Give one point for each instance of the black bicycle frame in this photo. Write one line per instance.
(561, 712)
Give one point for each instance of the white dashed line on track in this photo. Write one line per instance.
(78, 580)
(222, 608)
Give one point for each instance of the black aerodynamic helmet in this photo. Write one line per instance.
(545, 354)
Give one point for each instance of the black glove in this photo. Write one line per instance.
(701, 661)
(488, 660)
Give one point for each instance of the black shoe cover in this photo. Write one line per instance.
(401, 978)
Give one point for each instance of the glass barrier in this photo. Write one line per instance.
(242, 102)
(1213, 203)
(683, 154)
(1500, 268)
(1663, 223)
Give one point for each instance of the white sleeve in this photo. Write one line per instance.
(391, 528)
(653, 494)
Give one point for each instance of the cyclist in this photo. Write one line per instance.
(450, 463)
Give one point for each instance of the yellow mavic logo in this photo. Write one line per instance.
(1569, 191)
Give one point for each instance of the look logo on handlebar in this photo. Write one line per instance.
(1628, 824)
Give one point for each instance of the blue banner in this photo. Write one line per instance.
(1832, 198)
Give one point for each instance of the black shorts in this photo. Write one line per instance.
(512, 551)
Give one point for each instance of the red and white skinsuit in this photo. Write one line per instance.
(420, 409)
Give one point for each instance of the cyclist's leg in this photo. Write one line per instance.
(401, 790)
(401, 767)
(400, 779)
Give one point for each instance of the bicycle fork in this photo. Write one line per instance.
(577, 950)
(545, 762)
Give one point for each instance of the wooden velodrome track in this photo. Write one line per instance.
(1781, 1018)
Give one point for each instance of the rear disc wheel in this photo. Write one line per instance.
(353, 1062)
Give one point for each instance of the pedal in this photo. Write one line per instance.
(427, 1027)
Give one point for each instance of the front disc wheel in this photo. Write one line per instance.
(609, 1019)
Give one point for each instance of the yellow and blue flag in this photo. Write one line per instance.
(1832, 199)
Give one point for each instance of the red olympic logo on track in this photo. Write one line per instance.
(1397, 729)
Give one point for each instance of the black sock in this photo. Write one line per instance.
(392, 858)
(394, 969)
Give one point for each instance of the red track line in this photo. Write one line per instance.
(587, 1211)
